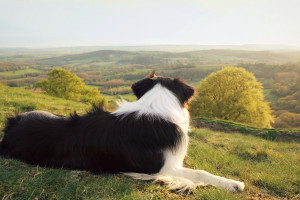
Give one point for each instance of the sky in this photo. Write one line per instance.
(58, 23)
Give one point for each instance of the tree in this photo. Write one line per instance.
(63, 83)
(232, 94)
(287, 120)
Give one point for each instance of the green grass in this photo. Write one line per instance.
(266, 167)
(15, 100)
(114, 98)
(19, 72)
(269, 169)
(269, 97)
(129, 97)
(266, 133)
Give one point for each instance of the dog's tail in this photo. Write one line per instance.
(11, 122)
(172, 182)
(1, 148)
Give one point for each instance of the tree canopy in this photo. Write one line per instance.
(232, 94)
(63, 83)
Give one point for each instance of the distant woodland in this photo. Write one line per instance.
(113, 72)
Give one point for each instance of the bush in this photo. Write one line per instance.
(63, 83)
(232, 94)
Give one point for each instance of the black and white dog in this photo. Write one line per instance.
(146, 139)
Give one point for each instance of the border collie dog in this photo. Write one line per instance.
(146, 139)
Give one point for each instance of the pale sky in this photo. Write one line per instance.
(55, 23)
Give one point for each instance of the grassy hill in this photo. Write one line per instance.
(16, 100)
(287, 135)
(269, 169)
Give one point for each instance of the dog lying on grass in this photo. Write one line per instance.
(146, 139)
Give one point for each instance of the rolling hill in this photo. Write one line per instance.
(159, 57)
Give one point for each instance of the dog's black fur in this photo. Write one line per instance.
(177, 86)
(98, 141)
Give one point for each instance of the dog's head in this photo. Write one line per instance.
(177, 86)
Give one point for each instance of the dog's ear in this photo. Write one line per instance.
(183, 91)
(141, 87)
(151, 75)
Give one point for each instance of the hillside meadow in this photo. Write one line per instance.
(270, 169)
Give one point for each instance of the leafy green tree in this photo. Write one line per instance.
(232, 94)
(63, 83)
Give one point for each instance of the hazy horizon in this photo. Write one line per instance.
(177, 47)
(53, 23)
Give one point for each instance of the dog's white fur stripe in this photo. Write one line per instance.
(159, 101)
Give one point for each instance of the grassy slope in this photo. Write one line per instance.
(14, 100)
(283, 135)
(269, 169)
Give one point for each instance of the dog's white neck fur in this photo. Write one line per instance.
(160, 102)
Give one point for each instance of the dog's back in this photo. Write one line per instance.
(98, 141)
